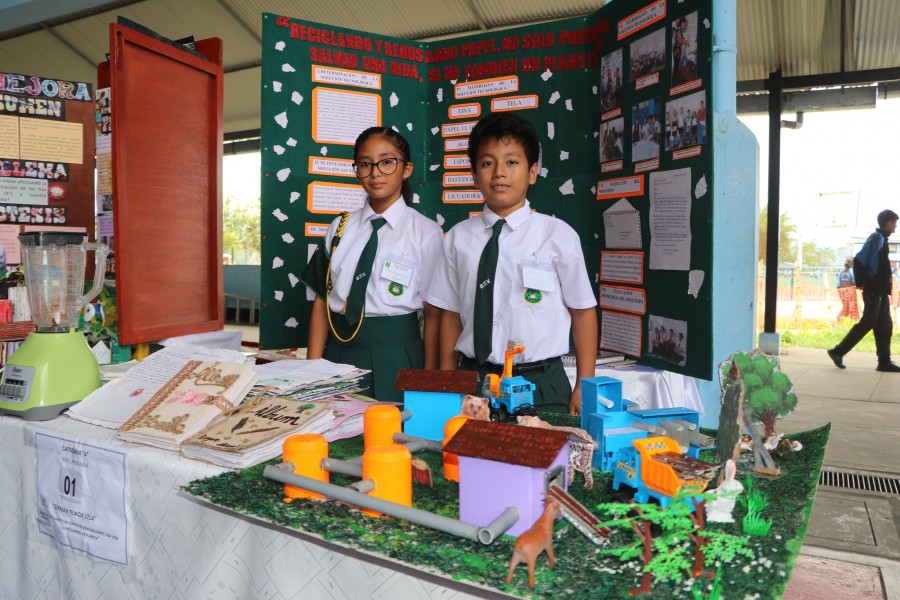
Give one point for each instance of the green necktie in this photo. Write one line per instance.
(484, 295)
(356, 299)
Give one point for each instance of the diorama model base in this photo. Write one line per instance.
(582, 569)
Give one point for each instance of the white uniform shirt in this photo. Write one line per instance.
(542, 321)
(408, 238)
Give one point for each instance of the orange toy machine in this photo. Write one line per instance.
(656, 467)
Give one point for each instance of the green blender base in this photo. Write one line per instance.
(47, 374)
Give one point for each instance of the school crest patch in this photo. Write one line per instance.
(533, 296)
(395, 289)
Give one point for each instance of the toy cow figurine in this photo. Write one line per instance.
(531, 543)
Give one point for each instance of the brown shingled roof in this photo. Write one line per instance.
(425, 380)
(514, 444)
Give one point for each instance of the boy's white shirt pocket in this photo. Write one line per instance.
(397, 280)
(536, 288)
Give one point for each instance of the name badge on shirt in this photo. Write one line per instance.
(397, 271)
(539, 276)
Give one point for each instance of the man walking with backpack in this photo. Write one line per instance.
(872, 271)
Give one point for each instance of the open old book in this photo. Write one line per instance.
(255, 431)
(188, 402)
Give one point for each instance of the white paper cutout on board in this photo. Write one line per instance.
(440, 219)
(283, 173)
(453, 81)
(279, 45)
(296, 98)
(278, 148)
(546, 74)
(292, 322)
(706, 23)
(279, 295)
(324, 151)
(291, 142)
(287, 68)
(416, 198)
(695, 282)
(622, 226)
(394, 99)
(544, 172)
(563, 155)
(440, 95)
(434, 167)
(279, 215)
(551, 130)
(701, 188)
(394, 127)
(569, 104)
(568, 188)
(295, 196)
(593, 190)
(670, 220)
(435, 130)
(276, 86)
(277, 262)
(293, 279)
(409, 126)
(281, 119)
(553, 98)
(594, 89)
(288, 238)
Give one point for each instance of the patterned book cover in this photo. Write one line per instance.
(261, 420)
(197, 394)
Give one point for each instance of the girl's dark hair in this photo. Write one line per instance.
(399, 142)
(499, 126)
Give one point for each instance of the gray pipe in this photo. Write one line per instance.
(486, 535)
(405, 415)
(363, 486)
(341, 466)
(414, 444)
(686, 424)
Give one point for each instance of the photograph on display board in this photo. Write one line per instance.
(611, 81)
(612, 139)
(686, 121)
(684, 49)
(668, 339)
(648, 55)
(646, 129)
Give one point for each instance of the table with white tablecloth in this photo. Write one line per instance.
(651, 388)
(179, 548)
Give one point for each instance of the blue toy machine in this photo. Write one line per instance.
(516, 398)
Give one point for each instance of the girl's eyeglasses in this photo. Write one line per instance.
(387, 166)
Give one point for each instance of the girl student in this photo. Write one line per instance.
(373, 270)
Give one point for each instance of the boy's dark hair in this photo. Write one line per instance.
(499, 126)
(399, 142)
(885, 216)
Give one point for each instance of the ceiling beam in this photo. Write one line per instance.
(825, 80)
(225, 6)
(481, 24)
(91, 63)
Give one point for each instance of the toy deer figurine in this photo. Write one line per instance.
(530, 544)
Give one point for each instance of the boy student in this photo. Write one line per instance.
(514, 273)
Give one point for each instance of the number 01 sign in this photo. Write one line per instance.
(81, 496)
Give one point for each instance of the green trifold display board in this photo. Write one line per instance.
(620, 99)
(582, 569)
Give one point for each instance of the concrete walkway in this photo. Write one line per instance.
(852, 545)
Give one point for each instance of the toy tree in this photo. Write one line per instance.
(678, 522)
(731, 417)
(767, 390)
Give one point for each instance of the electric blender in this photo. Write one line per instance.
(53, 368)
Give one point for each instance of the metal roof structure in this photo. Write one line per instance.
(814, 43)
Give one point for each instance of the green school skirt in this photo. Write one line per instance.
(552, 387)
(385, 345)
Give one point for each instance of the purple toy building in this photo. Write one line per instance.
(503, 465)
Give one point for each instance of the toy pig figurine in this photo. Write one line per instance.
(719, 509)
(534, 541)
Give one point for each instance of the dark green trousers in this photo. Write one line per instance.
(384, 345)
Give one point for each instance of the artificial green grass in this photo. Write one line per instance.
(582, 571)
